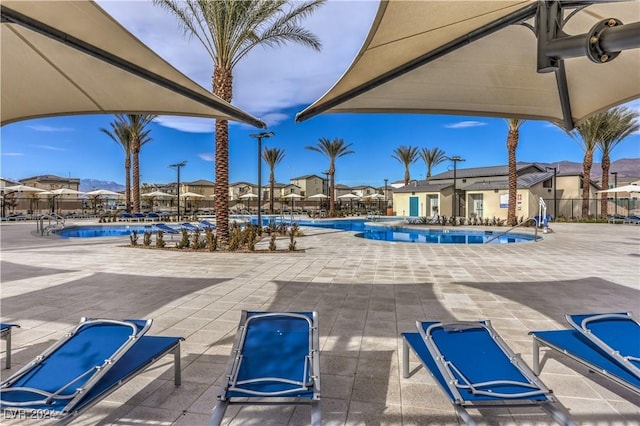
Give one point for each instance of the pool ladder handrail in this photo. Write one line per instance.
(59, 224)
(535, 234)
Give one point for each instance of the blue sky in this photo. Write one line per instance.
(273, 85)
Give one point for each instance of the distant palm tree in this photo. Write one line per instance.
(620, 122)
(120, 134)
(272, 157)
(512, 144)
(228, 30)
(139, 135)
(407, 155)
(432, 157)
(332, 150)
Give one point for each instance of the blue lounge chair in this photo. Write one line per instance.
(126, 216)
(152, 216)
(139, 216)
(5, 334)
(87, 364)
(476, 369)
(275, 355)
(164, 228)
(206, 224)
(189, 227)
(608, 344)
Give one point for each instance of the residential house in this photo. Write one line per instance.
(238, 189)
(364, 190)
(310, 185)
(484, 192)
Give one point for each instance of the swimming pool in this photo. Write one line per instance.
(381, 230)
(442, 236)
(103, 231)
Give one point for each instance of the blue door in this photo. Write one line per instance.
(413, 206)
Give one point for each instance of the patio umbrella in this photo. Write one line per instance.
(292, 197)
(190, 195)
(71, 57)
(509, 59)
(65, 191)
(321, 196)
(349, 197)
(22, 188)
(158, 194)
(103, 193)
(625, 188)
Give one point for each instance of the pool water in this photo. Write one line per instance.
(104, 231)
(442, 236)
(371, 230)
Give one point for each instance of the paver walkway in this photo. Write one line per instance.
(366, 293)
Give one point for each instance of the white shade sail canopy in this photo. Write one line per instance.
(249, 195)
(70, 57)
(480, 58)
(349, 197)
(22, 188)
(65, 191)
(322, 196)
(293, 195)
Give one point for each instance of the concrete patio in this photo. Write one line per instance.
(366, 292)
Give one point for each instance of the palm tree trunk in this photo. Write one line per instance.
(136, 175)
(586, 182)
(223, 87)
(407, 176)
(604, 202)
(512, 144)
(332, 189)
(127, 182)
(272, 188)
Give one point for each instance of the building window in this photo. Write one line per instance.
(547, 183)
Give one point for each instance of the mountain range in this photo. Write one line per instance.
(626, 168)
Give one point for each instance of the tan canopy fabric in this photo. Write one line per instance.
(71, 57)
(475, 58)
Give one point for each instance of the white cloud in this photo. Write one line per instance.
(50, 147)
(40, 128)
(187, 124)
(208, 156)
(464, 124)
(12, 154)
(266, 81)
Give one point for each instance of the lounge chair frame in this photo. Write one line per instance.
(76, 401)
(453, 386)
(583, 327)
(5, 334)
(589, 351)
(311, 370)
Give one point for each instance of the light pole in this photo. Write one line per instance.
(615, 194)
(455, 160)
(177, 166)
(259, 137)
(555, 192)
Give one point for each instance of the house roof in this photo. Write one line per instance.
(422, 186)
(306, 177)
(51, 178)
(242, 183)
(484, 171)
(201, 182)
(342, 186)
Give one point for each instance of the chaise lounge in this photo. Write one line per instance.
(489, 375)
(274, 360)
(84, 366)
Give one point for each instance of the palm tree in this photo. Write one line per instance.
(512, 144)
(620, 122)
(228, 30)
(407, 155)
(272, 157)
(120, 134)
(589, 134)
(432, 157)
(332, 150)
(139, 135)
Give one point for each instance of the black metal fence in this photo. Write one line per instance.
(571, 208)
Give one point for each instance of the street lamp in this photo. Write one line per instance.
(177, 166)
(555, 192)
(259, 136)
(455, 160)
(615, 194)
